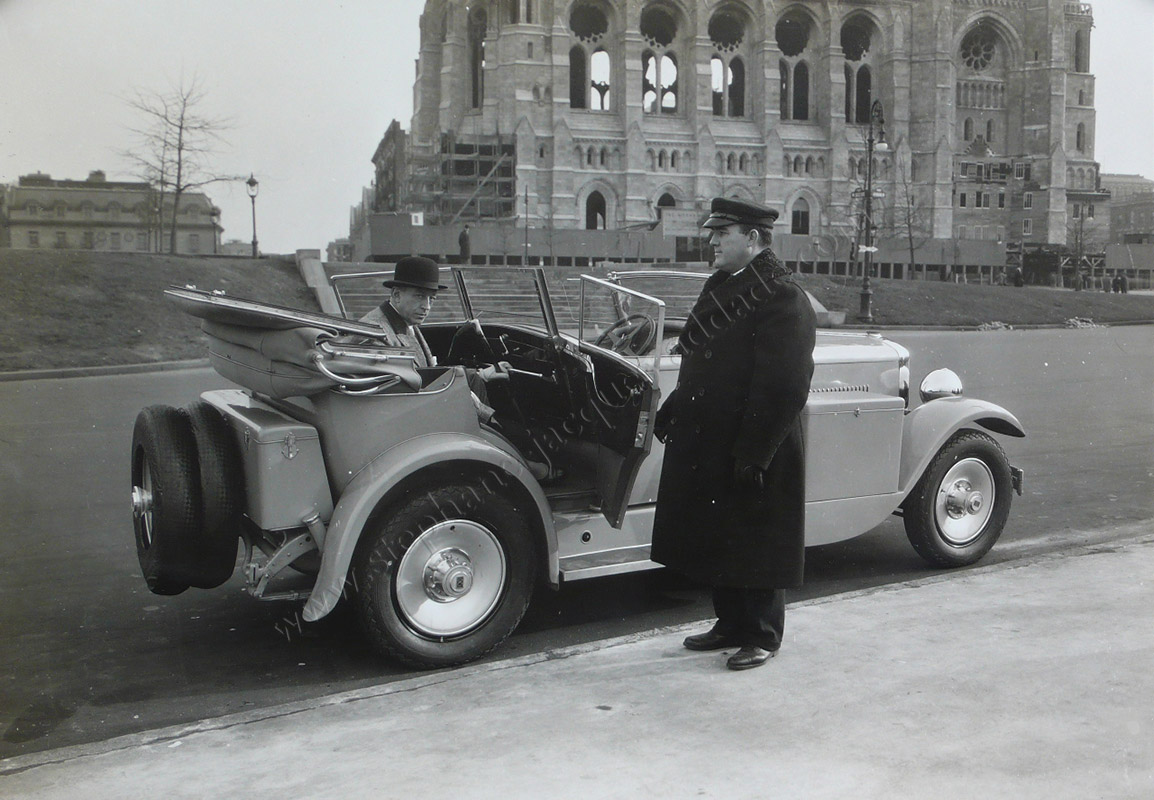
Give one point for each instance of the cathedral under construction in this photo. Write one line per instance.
(590, 115)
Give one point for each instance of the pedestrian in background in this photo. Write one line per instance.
(465, 245)
(731, 500)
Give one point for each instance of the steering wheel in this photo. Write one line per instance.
(632, 336)
(469, 346)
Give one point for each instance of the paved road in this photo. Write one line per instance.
(89, 653)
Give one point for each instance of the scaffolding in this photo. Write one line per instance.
(465, 179)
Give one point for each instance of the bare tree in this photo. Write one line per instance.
(911, 219)
(175, 144)
(1085, 244)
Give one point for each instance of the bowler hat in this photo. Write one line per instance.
(416, 271)
(726, 211)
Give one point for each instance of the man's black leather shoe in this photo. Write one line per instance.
(710, 640)
(749, 657)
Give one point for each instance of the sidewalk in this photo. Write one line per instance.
(1026, 680)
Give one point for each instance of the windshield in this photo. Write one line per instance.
(507, 295)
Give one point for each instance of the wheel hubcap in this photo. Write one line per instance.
(451, 579)
(964, 502)
(448, 575)
(142, 504)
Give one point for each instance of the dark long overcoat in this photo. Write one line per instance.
(747, 361)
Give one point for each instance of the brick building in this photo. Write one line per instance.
(39, 211)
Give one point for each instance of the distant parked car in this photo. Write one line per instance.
(346, 471)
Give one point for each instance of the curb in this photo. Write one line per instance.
(110, 369)
(1133, 535)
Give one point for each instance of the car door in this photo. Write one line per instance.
(618, 328)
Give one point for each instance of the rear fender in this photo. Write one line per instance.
(380, 481)
(930, 425)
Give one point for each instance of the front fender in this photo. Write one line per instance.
(365, 492)
(930, 425)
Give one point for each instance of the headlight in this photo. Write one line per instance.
(940, 383)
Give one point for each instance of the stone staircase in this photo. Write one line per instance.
(498, 287)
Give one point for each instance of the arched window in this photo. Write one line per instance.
(857, 38)
(514, 11)
(1081, 52)
(798, 165)
(589, 76)
(661, 160)
(529, 11)
(589, 157)
(729, 159)
(478, 24)
(809, 165)
(799, 218)
(849, 93)
(604, 156)
(736, 88)
(728, 81)
(784, 72)
(968, 129)
(989, 131)
(717, 82)
(577, 77)
(659, 69)
(665, 201)
(599, 80)
(658, 83)
(801, 91)
(742, 164)
(673, 160)
(1080, 137)
(864, 95)
(595, 212)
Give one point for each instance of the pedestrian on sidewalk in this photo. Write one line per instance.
(731, 500)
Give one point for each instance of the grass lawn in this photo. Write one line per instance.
(75, 308)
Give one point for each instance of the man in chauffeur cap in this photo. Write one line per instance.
(731, 501)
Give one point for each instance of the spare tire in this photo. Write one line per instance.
(221, 495)
(166, 504)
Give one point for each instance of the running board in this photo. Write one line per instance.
(607, 562)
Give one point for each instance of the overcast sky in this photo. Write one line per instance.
(311, 85)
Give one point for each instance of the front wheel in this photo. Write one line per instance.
(958, 508)
(446, 577)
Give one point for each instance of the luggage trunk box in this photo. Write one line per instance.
(285, 480)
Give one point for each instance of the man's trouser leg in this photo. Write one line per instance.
(754, 617)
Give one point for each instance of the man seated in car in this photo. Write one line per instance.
(414, 288)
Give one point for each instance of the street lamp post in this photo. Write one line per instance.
(866, 312)
(253, 186)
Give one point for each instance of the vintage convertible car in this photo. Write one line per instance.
(347, 471)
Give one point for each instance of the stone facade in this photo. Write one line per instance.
(39, 212)
(589, 114)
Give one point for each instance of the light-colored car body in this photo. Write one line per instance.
(323, 466)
